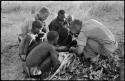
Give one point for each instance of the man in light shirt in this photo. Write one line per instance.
(93, 39)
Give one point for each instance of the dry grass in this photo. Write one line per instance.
(13, 14)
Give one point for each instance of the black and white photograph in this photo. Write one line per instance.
(62, 40)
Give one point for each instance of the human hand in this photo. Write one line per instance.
(72, 49)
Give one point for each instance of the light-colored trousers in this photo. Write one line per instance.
(94, 47)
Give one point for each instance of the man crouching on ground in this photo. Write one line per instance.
(93, 39)
(43, 56)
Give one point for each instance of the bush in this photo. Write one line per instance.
(110, 10)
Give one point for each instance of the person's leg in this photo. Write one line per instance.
(25, 69)
(91, 49)
(54, 59)
(43, 67)
(46, 64)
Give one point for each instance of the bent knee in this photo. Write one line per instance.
(112, 47)
(93, 44)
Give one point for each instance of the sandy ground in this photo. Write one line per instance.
(11, 68)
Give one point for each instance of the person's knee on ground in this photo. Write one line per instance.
(91, 49)
(46, 64)
(94, 45)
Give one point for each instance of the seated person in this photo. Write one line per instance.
(93, 39)
(68, 20)
(26, 27)
(44, 55)
(58, 22)
(29, 41)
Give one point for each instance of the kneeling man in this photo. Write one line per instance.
(94, 38)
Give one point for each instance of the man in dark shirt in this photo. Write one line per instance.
(59, 24)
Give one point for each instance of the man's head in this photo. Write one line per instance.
(69, 18)
(36, 26)
(43, 14)
(61, 15)
(53, 37)
(75, 26)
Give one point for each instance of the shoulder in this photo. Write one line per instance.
(51, 47)
(92, 24)
(30, 36)
(47, 46)
(54, 21)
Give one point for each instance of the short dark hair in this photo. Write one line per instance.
(52, 35)
(36, 24)
(61, 12)
(76, 21)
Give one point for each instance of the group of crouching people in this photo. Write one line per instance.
(39, 45)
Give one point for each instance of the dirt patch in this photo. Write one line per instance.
(11, 64)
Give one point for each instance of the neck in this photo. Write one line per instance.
(50, 42)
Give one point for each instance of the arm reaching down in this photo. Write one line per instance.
(81, 41)
(54, 57)
(23, 48)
